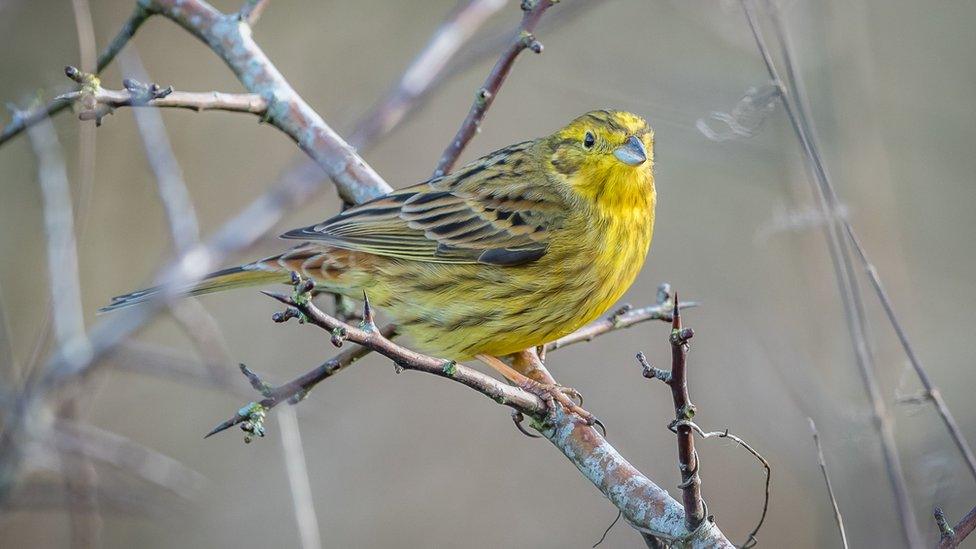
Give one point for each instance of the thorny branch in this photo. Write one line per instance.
(648, 508)
(297, 389)
(685, 428)
(485, 96)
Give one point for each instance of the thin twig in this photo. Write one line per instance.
(428, 67)
(485, 96)
(88, 53)
(952, 537)
(301, 489)
(81, 489)
(99, 102)
(616, 322)
(22, 121)
(410, 360)
(846, 280)
(838, 518)
(684, 426)
(363, 138)
(302, 385)
(751, 540)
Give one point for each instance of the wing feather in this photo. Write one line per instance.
(492, 211)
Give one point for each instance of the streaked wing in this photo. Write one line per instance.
(491, 211)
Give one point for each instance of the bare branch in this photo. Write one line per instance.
(685, 428)
(952, 537)
(231, 40)
(22, 121)
(647, 507)
(617, 321)
(299, 387)
(410, 360)
(485, 96)
(838, 518)
(99, 102)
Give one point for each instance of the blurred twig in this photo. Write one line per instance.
(81, 489)
(485, 96)
(844, 273)
(173, 193)
(122, 453)
(356, 181)
(62, 253)
(195, 321)
(838, 518)
(301, 491)
(428, 67)
(931, 392)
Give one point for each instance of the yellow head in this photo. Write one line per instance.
(605, 156)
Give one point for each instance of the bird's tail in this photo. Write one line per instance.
(234, 277)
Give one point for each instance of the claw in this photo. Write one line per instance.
(598, 423)
(518, 418)
(574, 394)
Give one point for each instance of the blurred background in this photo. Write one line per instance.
(414, 461)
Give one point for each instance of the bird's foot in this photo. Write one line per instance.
(553, 393)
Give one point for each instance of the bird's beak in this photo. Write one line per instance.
(632, 152)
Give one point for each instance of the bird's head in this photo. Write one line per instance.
(605, 155)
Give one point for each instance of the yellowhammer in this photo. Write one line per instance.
(514, 250)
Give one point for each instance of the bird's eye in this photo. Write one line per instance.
(588, 140)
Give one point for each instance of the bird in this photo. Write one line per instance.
(511, 251)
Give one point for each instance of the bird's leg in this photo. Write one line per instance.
(547, 390)
(532, 364)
